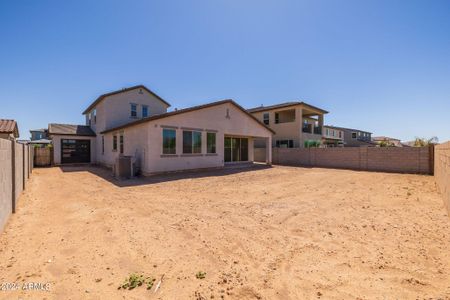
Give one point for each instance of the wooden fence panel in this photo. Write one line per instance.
(42, 157)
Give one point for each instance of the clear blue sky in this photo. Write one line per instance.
(382, 66)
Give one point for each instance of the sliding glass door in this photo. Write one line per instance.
(236, 149)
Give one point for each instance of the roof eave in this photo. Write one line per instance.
(275, 107)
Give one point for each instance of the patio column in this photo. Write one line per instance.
(269, 150)
(251, 149)
(320, 120)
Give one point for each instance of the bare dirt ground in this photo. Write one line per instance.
(272, 233)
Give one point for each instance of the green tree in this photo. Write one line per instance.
(422, 142)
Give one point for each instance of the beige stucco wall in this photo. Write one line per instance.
(135, 144)
(442, 171)
(290, 130)
(8, 136)
(57, 146)
(144, 141)
(115, 110)
(22, 171)
(5, 181)
(284, 131)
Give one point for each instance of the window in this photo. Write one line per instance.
(353, 135)
(144, 111)
(94, 114)
(121, 143)
(192, 142)
(103, 144)
(89, 119)
(266, 118)
(114, 142)
(169, 141)
(285, 143)
(235, 149)
(133, 112)
(277, 118)
(211, 142)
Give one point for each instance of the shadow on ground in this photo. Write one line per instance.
(106, 174)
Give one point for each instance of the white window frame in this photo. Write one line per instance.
(131, 110)
(193, 132)
(142, 110)
(266, 119)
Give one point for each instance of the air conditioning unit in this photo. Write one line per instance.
(124, 167)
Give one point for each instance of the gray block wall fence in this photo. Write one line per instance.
(416, 160)
(16, 164)
(442, 171)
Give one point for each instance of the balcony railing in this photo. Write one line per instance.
(306, 128)
(317, 130)
(309, 128)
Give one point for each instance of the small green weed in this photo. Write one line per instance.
(200, 275)
(135, 280)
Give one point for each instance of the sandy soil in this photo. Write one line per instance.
(260, 233)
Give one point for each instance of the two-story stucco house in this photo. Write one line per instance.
(39, 134)
(294, 123)
(355, 137)
(135, 122)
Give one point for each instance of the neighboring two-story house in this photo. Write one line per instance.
(355, 137)
(294, 123)
(39, 134)
(332, 137)
(135, 122)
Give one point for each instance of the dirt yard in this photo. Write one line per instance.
(260, 233)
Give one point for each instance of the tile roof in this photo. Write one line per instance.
(67, 129)
(284, 104)
(346, 128)
(101, 97)
(383, 138)
(9, 126)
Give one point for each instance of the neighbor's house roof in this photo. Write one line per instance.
(9, 126)
(345, 128)
(66, 129)
(41, 141)
(283, 105)
(186, 110)
(38, 130)
(383, 138)
(101, 97)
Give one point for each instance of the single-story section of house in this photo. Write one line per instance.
(72, 143)
(205, 136)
